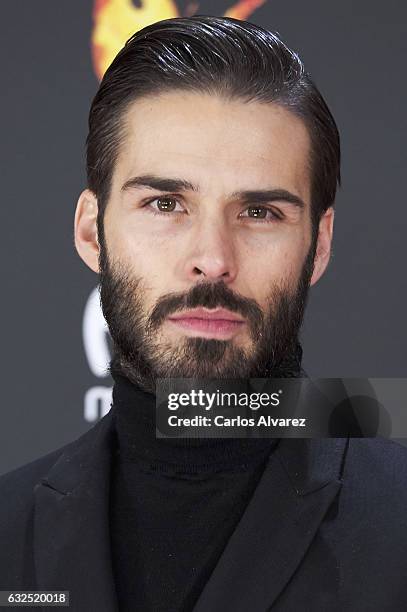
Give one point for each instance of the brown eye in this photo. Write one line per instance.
(166, 204)
(162, 205)
(258, 212)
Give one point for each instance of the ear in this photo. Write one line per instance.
(85, 232)
(324, 243)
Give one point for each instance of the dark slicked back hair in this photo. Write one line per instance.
(234, 59)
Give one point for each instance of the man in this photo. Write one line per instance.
(213, 163)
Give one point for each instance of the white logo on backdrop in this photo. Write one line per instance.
(95, 335)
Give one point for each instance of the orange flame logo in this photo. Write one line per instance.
(116, 20)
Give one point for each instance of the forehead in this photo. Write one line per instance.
(216, 143)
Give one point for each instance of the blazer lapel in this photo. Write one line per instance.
(299, 483)
(71, 525)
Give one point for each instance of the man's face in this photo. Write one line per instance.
(189, 225)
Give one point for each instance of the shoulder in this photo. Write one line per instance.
(61, 468)
(379, 459)
(16, 486)
(17, 497)
(20, 482)
(374, 483)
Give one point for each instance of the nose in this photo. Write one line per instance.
(211, 254)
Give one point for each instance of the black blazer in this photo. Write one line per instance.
(326, 529)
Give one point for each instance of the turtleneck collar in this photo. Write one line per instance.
(133, 411)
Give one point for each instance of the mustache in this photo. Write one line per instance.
(207, 295)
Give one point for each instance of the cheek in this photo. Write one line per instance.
(279, 255)
(142, 261)
(137, 249)
(270, 268)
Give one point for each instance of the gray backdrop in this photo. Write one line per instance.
(356, 319)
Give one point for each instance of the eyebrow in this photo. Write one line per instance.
(252, 196)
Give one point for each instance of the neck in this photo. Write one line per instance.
(134, 418)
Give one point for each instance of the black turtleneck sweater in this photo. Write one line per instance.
(174, 504)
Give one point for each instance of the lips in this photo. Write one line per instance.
(220, 314)
(219, 323)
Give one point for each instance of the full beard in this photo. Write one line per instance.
(142, 355)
